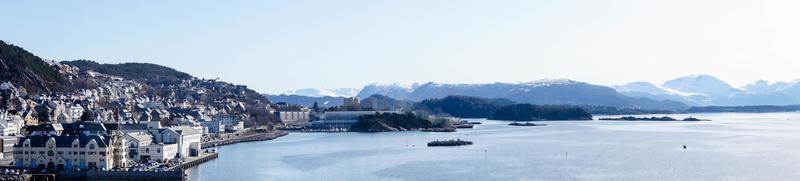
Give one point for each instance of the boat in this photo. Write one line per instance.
(526, 124)
(456, 142)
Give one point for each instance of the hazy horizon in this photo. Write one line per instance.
(274, 46)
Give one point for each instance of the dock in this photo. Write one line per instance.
(195, 161)
(261, 136)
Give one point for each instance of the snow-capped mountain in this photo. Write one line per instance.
(707, 90)
(312, 92)
(395, 90)
(656, 92)
(547, 91)
(702, 84)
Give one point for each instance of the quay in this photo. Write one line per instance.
(260, 136)
(195, 161)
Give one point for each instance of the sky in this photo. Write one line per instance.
(276, 45)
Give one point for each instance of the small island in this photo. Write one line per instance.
(457, 142)
(383, 122)
(663, 118)
(463, 124)
(525, 124)
(444, 129)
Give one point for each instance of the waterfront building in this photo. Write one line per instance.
(150, 141)
(71, 146)
(293, 116)
(231, 122)
(213, 127)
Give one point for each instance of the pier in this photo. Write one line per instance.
(260, 136)
(195, 161)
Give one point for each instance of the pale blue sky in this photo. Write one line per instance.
(273, 46)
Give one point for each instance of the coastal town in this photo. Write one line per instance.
(126, 126)
(155, 126)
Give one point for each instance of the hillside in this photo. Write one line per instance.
(381, 102)
(463, 106)
(133, 71)
(528, 112)
(390, 122)
(28, 70)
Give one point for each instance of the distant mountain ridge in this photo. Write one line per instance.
(547, 91)
(314, 92)
(706, 90)
(307, 101)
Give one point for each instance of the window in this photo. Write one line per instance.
(83, 153)
(26, 152)
(102, 153)
(91, 146)
(50, 153)
(91, 153)
(60, 152)
(41, 152)
(158, 151)
(147, 150)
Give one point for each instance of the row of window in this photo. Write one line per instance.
(51, 153)
(91, 146)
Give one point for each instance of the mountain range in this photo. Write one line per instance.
(676, 94)
(706, 90)
(548, 91)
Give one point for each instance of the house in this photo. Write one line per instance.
(231, 122)
(213, 127)
(10, 124)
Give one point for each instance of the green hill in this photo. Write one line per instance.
(27, 70)
(134, 71)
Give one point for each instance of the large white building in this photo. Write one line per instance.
(150, 141)
(70, 146)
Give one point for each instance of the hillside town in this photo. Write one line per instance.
(117, 124)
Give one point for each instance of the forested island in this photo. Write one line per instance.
(529, 112)
(663, 118)
(382, 122)
(463, 106)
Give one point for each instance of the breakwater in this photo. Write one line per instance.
(261, 136)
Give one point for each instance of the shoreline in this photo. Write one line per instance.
(265, 136)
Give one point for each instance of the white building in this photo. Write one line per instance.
(10, 125)
(152, 142)
(231, 122)
(70, 146)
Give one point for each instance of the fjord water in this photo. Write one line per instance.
(731, 147)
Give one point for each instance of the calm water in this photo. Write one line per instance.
(732, 147)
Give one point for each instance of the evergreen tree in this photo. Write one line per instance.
(87, 115)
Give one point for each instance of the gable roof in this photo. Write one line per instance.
(64, 141)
